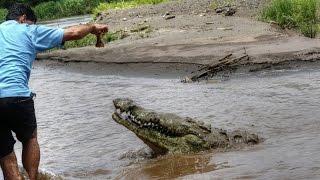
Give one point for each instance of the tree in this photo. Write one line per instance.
(7, 3)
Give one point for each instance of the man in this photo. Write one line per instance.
(20, 40)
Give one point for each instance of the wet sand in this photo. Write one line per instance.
(262, 54)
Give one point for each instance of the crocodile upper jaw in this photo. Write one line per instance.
(143, 132)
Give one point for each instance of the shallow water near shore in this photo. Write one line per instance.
(79, 140)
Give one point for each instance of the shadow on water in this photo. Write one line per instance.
(170, 166)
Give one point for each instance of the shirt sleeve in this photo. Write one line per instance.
(46, 38)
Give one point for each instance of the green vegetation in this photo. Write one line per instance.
(123, 4)
(59, 8)
(7, 3)
(141, 30)
(302, 15)
(64, 8)
(3, 13)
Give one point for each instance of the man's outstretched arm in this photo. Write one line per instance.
(79, 32)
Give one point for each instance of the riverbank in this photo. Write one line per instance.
(201, 37)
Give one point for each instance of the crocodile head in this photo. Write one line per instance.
(169, 133)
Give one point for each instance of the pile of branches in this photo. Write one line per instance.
(226, 63)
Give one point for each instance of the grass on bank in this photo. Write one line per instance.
(123, 4)
(141, 31)
(303, 15)
(91, 40)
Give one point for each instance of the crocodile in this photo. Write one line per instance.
(169, 133)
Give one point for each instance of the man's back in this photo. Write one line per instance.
(16, 57)
(19, 44)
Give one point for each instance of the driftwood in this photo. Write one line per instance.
(223, 64)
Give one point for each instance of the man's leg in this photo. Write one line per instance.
(24, 125)
(31, 156)
(9, 167)
(8, 160)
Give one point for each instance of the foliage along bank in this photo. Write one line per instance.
(47, 10)
(303, 15)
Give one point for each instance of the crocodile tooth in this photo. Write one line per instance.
(238, 140)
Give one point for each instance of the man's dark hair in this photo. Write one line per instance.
(18, 9)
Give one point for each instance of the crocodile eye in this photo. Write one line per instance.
(193, 140)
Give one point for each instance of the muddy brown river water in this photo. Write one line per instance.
(79, 140)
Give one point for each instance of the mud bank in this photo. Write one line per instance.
(261, 54)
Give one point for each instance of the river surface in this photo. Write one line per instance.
(66, 22)
(79, 139)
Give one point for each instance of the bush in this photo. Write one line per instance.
(3, 14)
(73, 7)
(65, 8)
(48, 10)
(300, 14)
(7, 3)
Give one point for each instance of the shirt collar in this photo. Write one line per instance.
(10, 22)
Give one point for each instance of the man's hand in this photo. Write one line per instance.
(99, 29)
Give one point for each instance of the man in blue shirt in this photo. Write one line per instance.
(20, 41)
